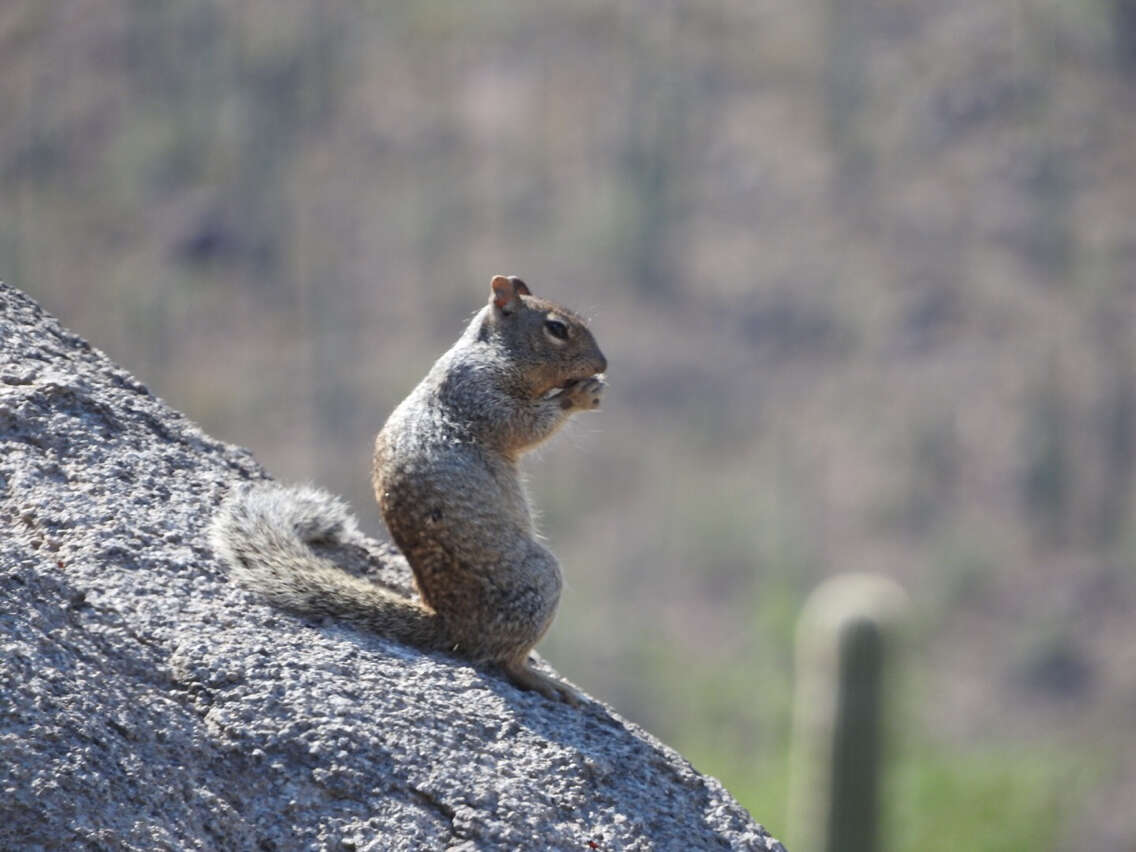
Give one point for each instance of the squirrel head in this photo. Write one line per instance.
(551, 346)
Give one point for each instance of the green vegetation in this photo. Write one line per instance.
(936, 799)
(995, 800)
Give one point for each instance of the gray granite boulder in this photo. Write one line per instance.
(148, 703)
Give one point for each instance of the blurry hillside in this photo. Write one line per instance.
(864, 270)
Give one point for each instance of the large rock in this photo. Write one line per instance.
(146, 702)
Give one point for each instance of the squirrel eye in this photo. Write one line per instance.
(556, 328)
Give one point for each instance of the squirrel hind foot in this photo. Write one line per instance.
(525, 676)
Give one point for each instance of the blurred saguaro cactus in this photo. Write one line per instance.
(845, 638)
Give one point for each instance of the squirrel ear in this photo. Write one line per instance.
(505, 289)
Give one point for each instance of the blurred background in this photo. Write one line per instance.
(864, 270)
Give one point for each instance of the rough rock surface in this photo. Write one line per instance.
(147, 703)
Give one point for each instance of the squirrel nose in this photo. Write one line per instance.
(601, 363)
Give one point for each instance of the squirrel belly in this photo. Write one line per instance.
(265, 532)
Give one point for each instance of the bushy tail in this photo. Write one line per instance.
(264, 533)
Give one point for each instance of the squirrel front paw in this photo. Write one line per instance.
(584, 395)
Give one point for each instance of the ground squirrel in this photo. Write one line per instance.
(445, 475)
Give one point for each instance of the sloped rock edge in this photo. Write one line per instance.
(145, 702)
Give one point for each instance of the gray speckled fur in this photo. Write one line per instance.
(266, 533)
(445, 475)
